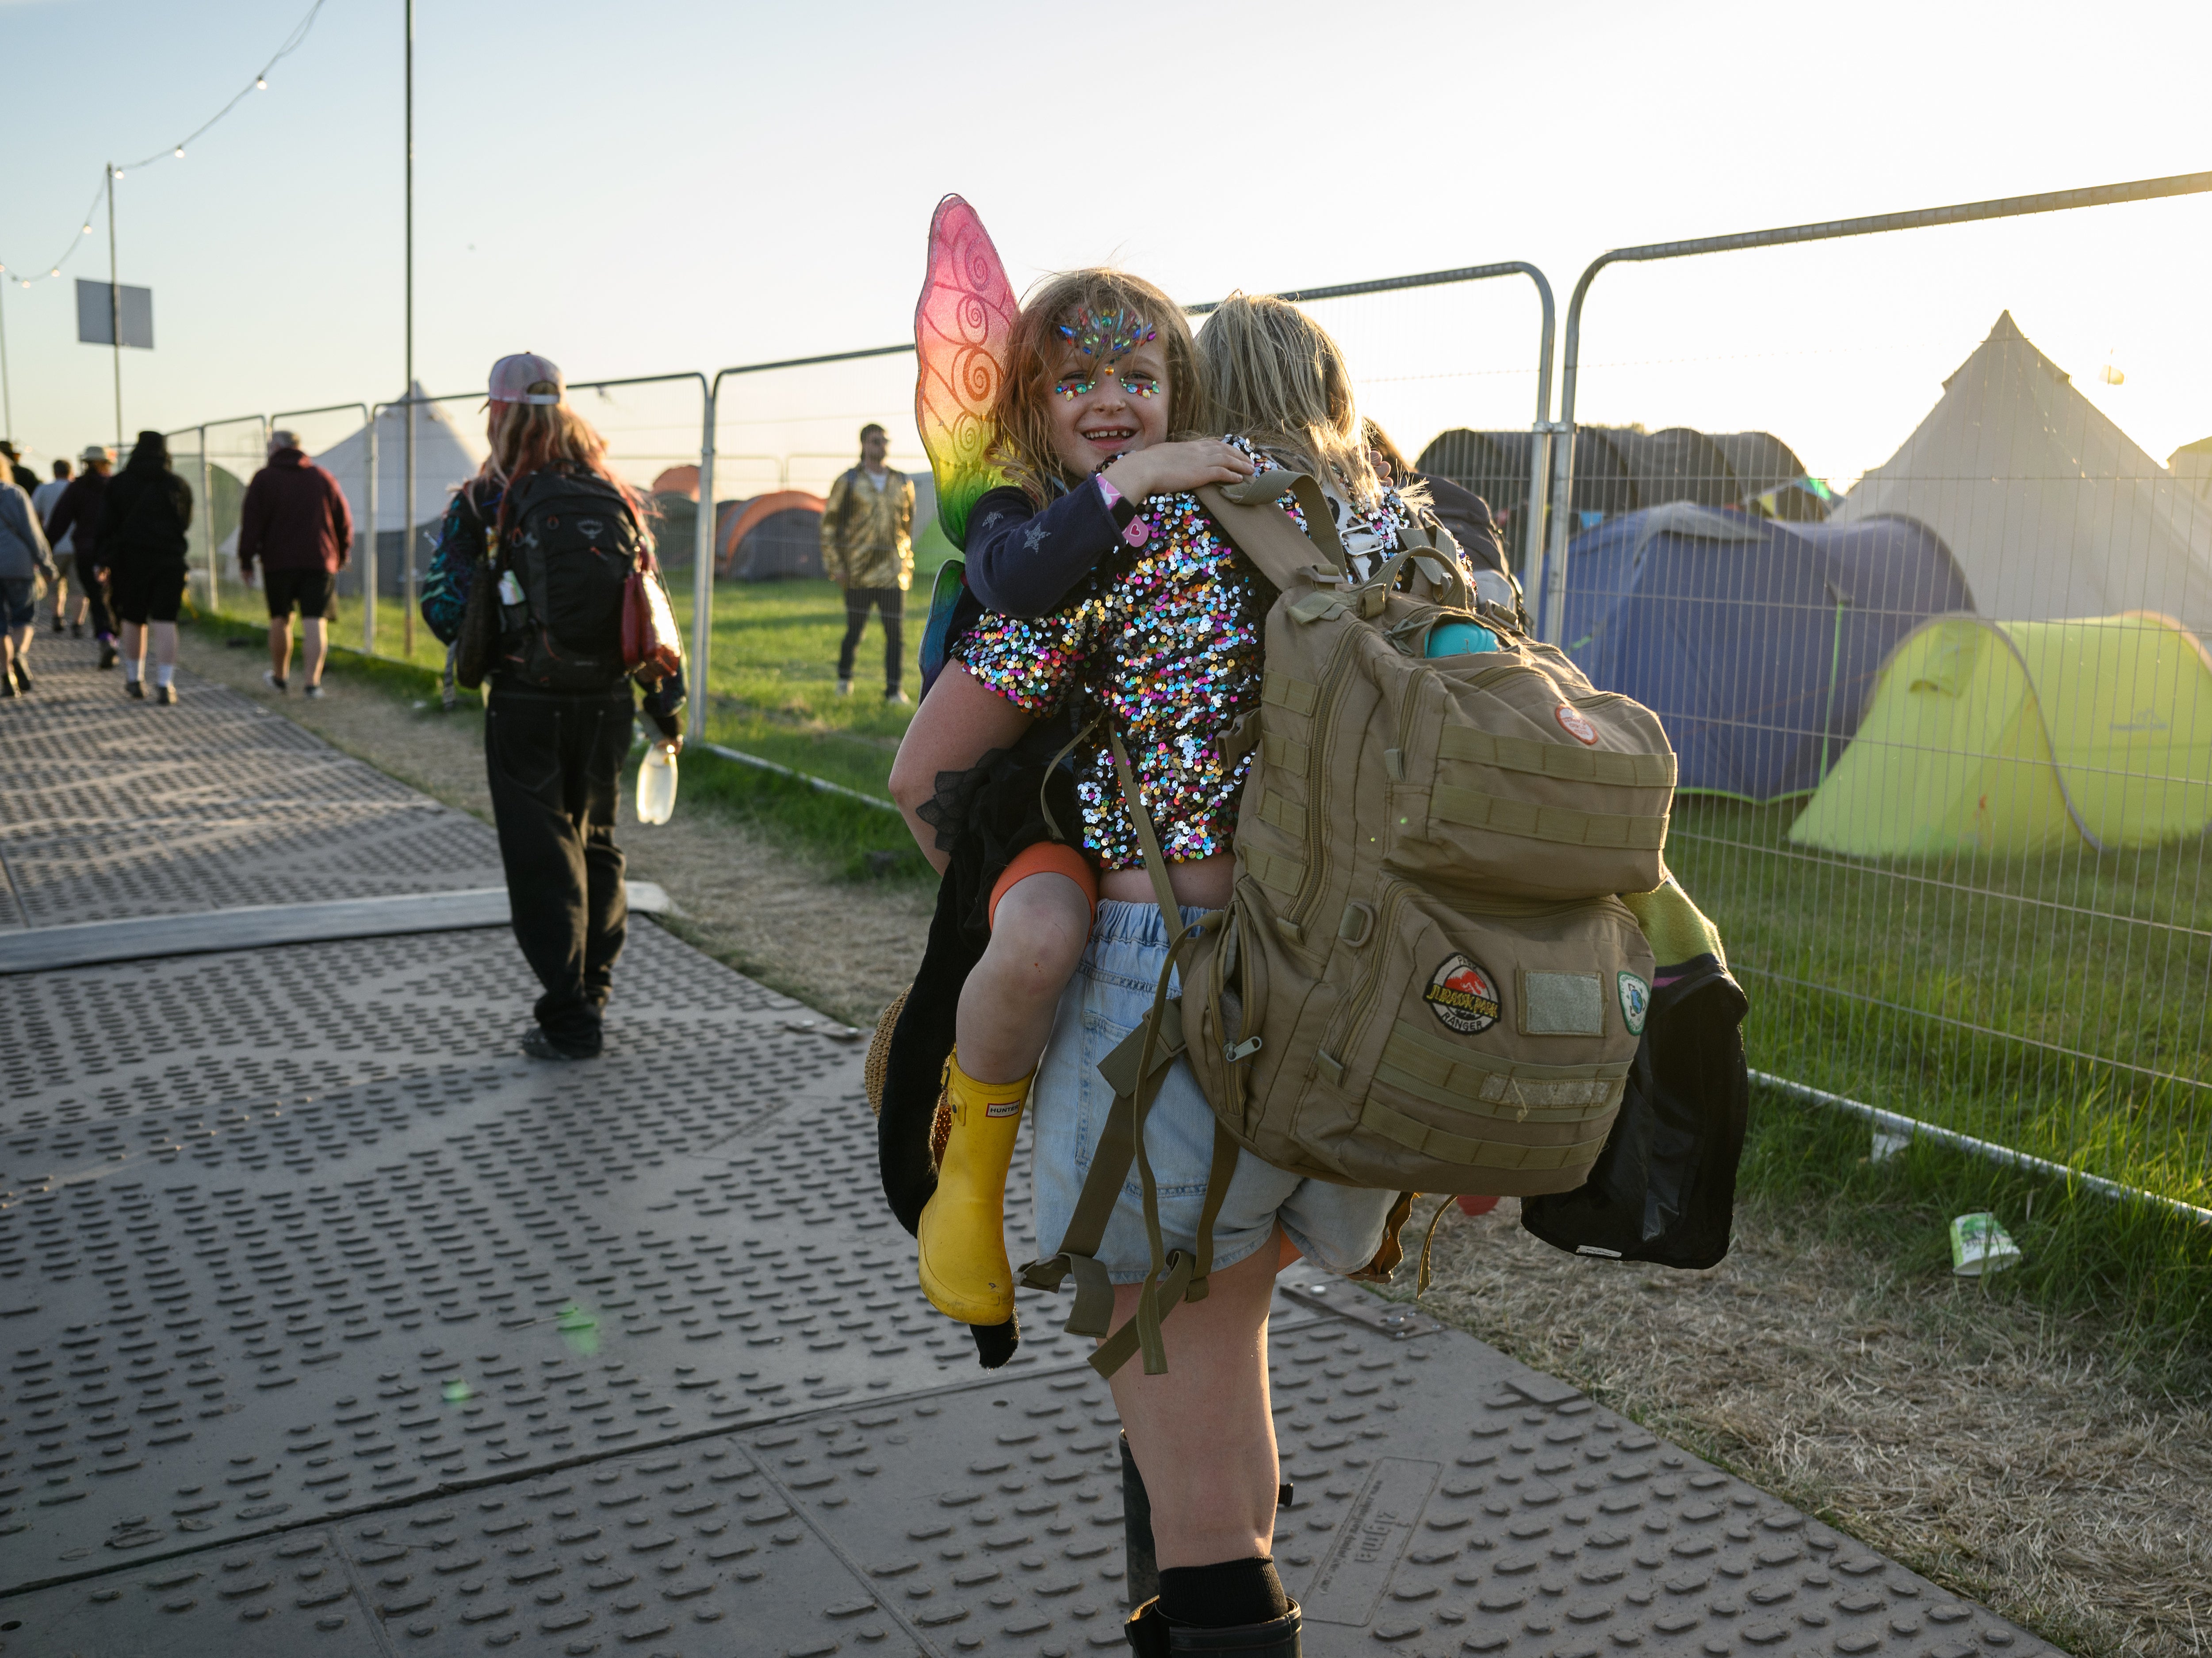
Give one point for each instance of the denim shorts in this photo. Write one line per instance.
(1338, 1228)
(19, 602)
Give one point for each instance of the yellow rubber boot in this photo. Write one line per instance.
(964, 1271)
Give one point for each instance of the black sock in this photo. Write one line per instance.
(1224, 1595)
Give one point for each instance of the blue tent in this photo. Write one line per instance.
(1756, 642)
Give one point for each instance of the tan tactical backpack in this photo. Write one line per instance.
(1424, 980)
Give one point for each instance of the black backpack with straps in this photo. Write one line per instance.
(573, 541)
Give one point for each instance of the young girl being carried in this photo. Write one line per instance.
(1271, 375)
(1101, 372)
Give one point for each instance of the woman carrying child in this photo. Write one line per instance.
(1160, 634)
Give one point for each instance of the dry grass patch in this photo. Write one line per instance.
(1979, 1441)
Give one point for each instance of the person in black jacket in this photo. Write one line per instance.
(75, 522)
(142, 522)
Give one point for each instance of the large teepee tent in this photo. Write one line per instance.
(447, 452)
(2006, 737)
(2050, 509)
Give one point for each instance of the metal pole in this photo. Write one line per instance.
(702, 574)
(114, 313)
(2003, 207)
(7, 393)
(407, 535)
(368, 565)
(1552, 598)
(207, 510)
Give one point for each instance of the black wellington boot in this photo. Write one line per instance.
(1141, 1572)
(1151, 1636)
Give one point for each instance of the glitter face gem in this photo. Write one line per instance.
(1140, 386)
(1112, 334)
(1072, 388)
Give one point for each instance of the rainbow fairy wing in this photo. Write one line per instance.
(961, 326)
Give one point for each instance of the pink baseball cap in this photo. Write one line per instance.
(513, 377)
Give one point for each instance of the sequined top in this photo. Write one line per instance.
(1165, 638)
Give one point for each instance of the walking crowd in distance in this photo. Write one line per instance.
(116, 544)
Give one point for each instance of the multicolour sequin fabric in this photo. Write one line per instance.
(1165, 640)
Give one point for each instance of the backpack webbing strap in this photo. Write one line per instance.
(1522, 754)
(1562, 825)
(1156, 863)
(1264, 533)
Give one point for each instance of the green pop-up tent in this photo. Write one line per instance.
(2007, 737)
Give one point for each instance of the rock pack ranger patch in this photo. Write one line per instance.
(1635, 1001)
(1462, 995)
(1571, 722)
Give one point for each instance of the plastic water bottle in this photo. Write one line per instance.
(1459, 639)
(656, 785)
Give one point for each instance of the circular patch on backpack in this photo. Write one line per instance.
(1462, 995)
(1575, 725)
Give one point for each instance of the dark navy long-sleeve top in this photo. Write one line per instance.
(1024, 562)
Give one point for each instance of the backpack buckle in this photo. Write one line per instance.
(1237, 1052)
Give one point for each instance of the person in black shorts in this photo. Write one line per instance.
(296, 526)
(142, 520)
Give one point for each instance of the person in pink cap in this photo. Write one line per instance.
(547, 519)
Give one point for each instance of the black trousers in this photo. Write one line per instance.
(890, 602)
(92, 582)
(554, 763)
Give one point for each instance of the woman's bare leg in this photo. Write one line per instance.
(1006, 1006)
(1202, 1436)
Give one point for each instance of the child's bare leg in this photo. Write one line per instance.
(1006, 1006)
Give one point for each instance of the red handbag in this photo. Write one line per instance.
(653, 649)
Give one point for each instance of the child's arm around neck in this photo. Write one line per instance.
(1024, 562)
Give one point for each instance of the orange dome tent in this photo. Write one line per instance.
(754, 514)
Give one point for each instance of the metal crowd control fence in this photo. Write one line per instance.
(1426, 346)
(1946, 735)
(1924, 976)
(221, 465)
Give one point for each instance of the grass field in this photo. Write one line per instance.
(772, 680)
(2054, 1004)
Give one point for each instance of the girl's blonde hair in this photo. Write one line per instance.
(1272, 375)
(1021, 415)
(528, 437)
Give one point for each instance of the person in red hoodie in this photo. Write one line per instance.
(296, 524)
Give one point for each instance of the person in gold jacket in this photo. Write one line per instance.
(868, 549)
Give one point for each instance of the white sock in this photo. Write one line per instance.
(164, 672)
(130, 671)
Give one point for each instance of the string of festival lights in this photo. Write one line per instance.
(167, 152)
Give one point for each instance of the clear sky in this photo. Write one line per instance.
(659, 187)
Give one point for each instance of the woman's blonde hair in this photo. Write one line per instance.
(1021, 415)
(1272, 375)
(528, 437)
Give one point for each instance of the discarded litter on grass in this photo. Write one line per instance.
(1980, 1245)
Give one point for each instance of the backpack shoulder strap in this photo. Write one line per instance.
(1264, 533)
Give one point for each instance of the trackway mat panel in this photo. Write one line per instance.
(333, 1327)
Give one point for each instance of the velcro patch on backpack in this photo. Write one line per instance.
(1562, 1004)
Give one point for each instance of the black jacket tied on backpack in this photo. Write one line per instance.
(1663, 1189)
